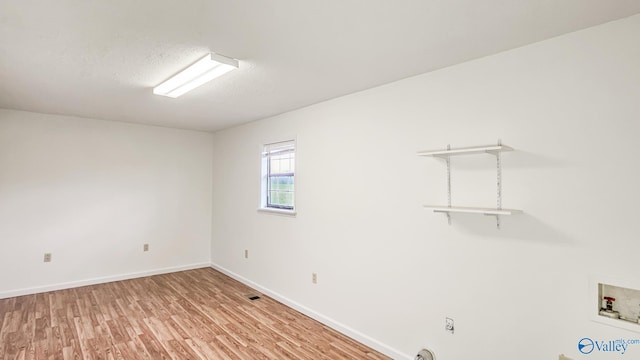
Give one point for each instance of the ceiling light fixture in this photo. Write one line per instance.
(202, 71)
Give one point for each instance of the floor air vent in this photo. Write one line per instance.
(253, 297)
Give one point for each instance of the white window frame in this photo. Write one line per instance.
(264, 182)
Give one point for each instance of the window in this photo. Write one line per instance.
(278, 176)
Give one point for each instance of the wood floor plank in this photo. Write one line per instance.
(190, 315)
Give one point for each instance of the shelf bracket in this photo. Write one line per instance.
(498, 181)
(448, 160)
(497, 220)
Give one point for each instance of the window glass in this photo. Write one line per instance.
(279, 175)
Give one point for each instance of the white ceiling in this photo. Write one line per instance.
(100, 59)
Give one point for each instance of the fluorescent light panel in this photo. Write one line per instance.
(202, 71)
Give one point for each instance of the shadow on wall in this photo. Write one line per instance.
(523, 227)
(516, 160)
(526, 160)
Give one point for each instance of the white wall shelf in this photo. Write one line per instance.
(472, 210)
(490, 149)
(445, 154)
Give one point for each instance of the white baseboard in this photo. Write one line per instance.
(341, 328)
(99, 280)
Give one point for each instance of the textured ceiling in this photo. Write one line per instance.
(100, 59)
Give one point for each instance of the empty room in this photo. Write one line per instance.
(285, 179)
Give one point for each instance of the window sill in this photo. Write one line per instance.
(277, 211)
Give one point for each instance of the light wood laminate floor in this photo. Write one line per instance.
(195, 314)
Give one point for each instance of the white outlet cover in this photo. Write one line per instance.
(449, 326)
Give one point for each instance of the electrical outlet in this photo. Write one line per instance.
(449, 325)
(314, 278)
(145, 247)
(246, 254)
(47, 257)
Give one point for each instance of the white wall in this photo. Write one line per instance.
(92, 193)
(391, 270)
